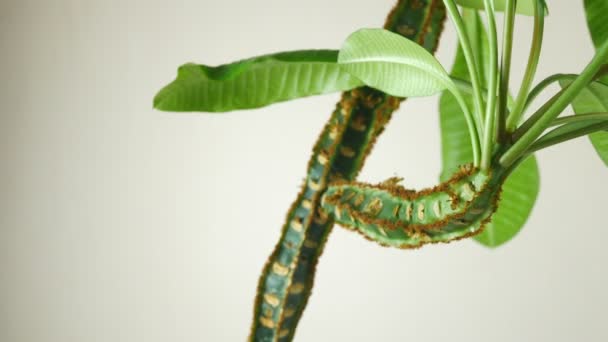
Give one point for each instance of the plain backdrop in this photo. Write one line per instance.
(119, 223)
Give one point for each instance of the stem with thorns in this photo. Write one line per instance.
(288, 276)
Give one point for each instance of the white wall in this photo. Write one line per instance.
(119, 223)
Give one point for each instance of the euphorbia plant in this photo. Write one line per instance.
(489, 180)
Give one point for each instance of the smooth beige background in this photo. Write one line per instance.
(119, 223)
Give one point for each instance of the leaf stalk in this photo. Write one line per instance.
(573, 134)
(491, 119)
(603, 116)
(533, 58)
(505, 69)
(565, 98)
(454, 14)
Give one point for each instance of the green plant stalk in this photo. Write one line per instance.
(465, 86)
(526, 140)
(489, 130)
(394, 216)
(472, 128)
(505, 69)
(579, 118)
(537, 41)
(600, 126)
(542, 85)
(288, 276)
(454, 15)
(525, 126)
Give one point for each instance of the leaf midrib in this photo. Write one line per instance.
(400, 62)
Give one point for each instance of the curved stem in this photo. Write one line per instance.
(464, 85)
(544, 143)
(288, 276)
(489, 130)
(521, 130)
(564, 99)
(556, 78)
(542, 85)
(579, 118)
(470, 59)
(345, 200)
(537, 40)
(473, 133)
(505, 68)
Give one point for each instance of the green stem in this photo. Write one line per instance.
(544, 143)
(526, 140)
(544, 84)
(489, 130)
(537, 40)
(556, 78)
(473, 133)
(579, 118)
(505, 68)
(452, 10)
(519, 132)
(464, 85)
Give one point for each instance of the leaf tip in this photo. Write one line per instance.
(159, 102)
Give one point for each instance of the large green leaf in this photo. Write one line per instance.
(255, 82)
(525, 7)
(517, 199)
(393, 64)
(593, 99)
(596, 11)
(521, 188)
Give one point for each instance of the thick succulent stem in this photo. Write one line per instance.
(394, 216)
(287, 278)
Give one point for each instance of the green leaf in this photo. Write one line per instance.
(593, 99)
(255, 82)
(393, 64)
(521, 188)
(517, 199)
(596, 11)
(525, 7)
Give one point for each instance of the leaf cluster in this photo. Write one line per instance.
(481, 123)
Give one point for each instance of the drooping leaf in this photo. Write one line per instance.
(596, 11)
(517, 199)
(593, 99)
(255, 82)
(393, 64)
(525, 7)
(521, 188)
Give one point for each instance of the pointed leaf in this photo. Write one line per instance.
(521, 188)
(393, 64)
(255, 82)
(593, 99)
(525, 7)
